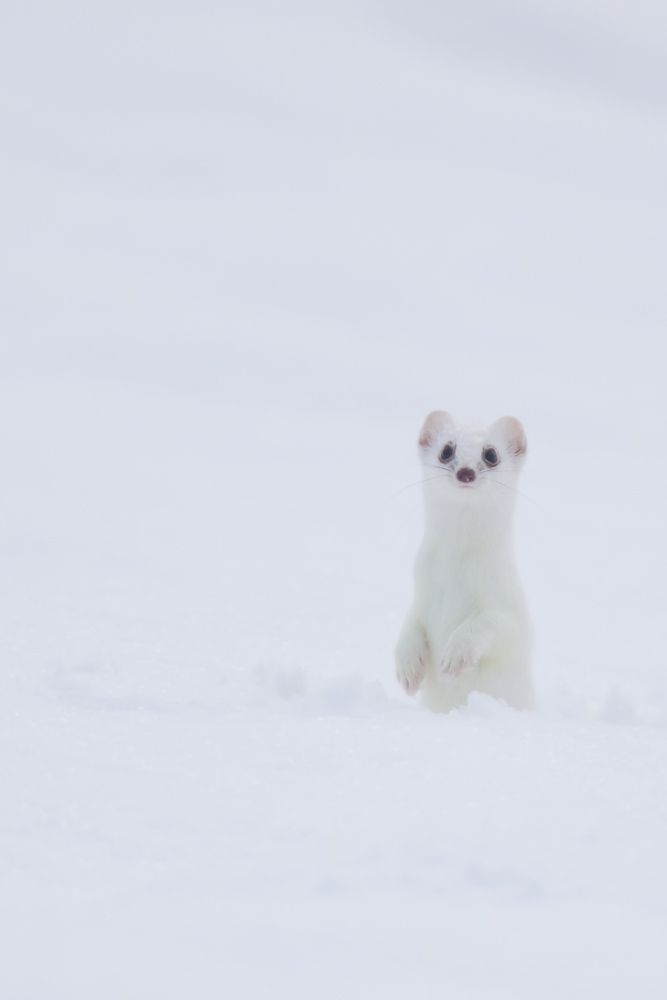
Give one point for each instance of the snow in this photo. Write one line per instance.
(245, 249)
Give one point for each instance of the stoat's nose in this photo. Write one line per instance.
(465, 475)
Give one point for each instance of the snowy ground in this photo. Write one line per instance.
(245, 248)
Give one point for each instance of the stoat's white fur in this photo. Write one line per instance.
(469, 627)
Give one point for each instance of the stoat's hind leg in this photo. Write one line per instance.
(412, 656)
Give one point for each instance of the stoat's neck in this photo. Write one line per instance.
(465, 529)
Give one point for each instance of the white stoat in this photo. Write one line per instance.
(469, 627)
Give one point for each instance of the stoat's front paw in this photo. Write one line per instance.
(461, 655)
(412, 657)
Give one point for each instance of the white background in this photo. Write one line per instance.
(246, 247)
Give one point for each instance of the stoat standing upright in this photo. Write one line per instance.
(468, 628)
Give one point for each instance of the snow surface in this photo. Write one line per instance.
(245, 249)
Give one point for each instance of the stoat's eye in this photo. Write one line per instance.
(447, 453)
(490, 456)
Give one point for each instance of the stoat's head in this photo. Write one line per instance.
(471, 463)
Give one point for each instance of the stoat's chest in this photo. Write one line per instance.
(453, 584)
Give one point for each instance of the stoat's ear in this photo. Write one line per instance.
(434, 423)
(512, 433)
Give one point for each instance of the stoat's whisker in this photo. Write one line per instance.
(410, 486)
(499, 482)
